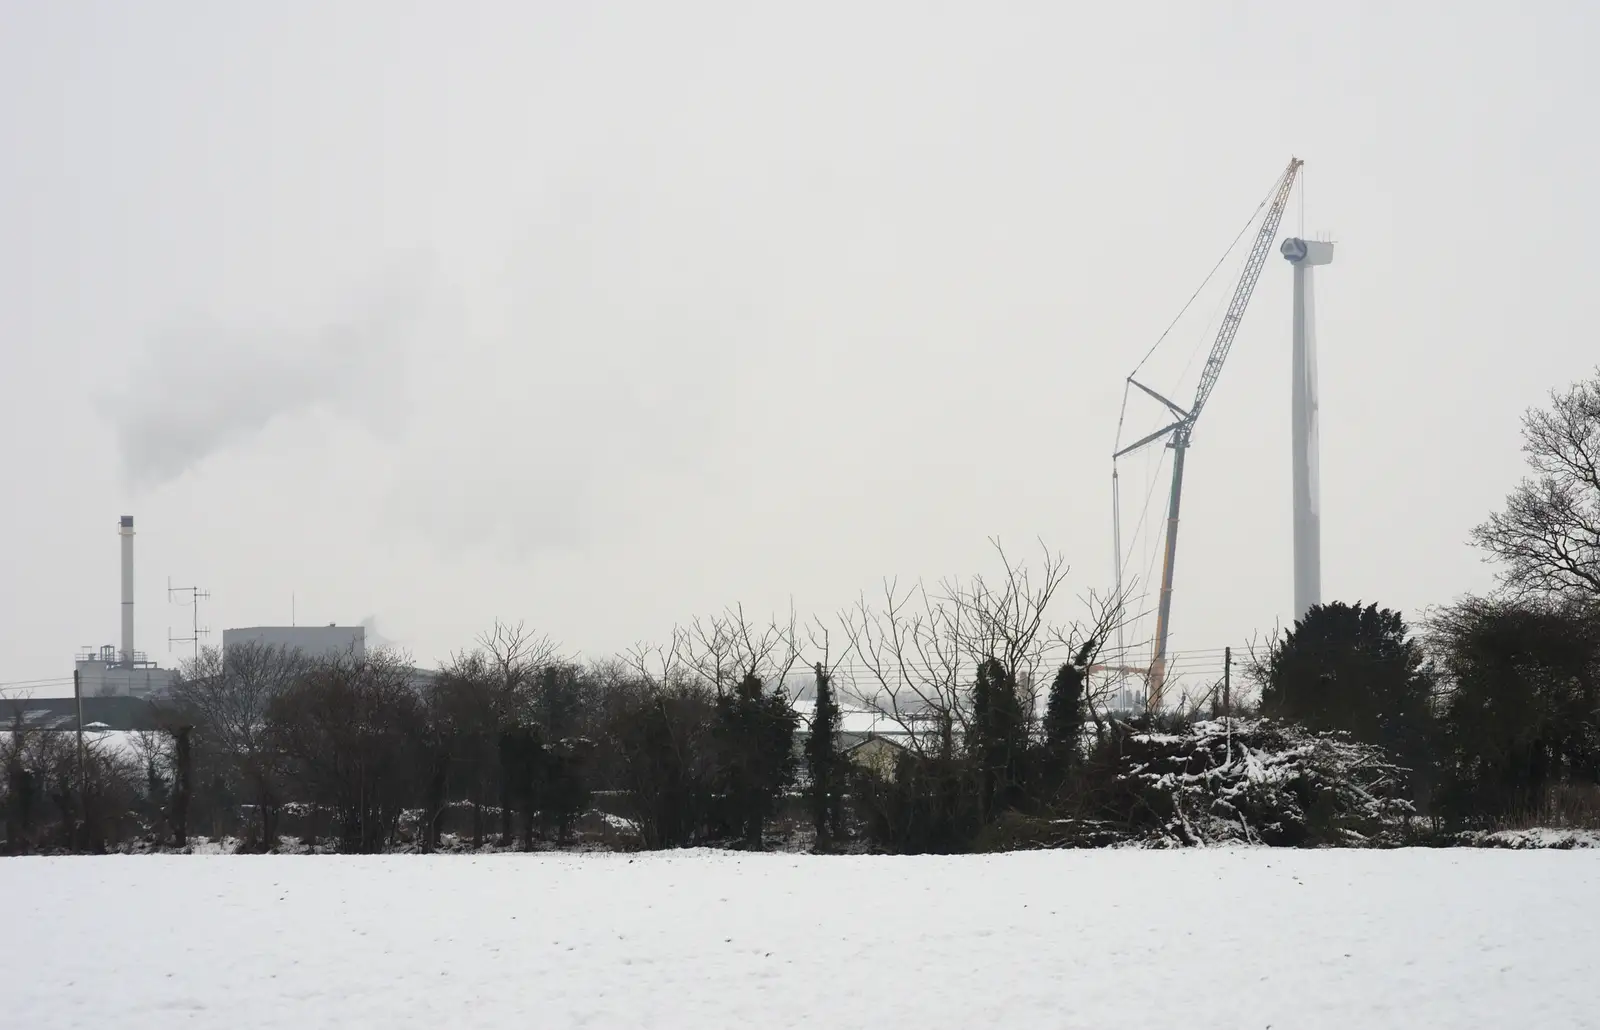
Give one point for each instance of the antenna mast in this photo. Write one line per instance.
(1180, 432)
(196, 595)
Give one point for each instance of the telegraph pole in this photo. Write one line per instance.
(1227, 695)
(77, 698)
(83, 771)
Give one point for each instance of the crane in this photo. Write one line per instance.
(1180, 431)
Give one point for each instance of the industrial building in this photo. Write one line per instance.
(319, 643)
(313, 642)
(118, 683)
(125, 671)
(109, 671)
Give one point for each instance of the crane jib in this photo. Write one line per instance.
(1247, 284)
(1183, 428)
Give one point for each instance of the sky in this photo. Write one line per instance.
(609, 315)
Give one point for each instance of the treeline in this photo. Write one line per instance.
(1493, 710)
(990, 727)
(511, 744)
(1495, 705)
(365, 755)
(1491, 718)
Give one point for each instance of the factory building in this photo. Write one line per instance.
(110, 671)
(313, 642)
(116, 680)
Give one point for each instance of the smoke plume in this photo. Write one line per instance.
(202, 389)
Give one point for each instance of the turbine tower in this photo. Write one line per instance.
(1305, 255)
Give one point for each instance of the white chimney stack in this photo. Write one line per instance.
(126, 532)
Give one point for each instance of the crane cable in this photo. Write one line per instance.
(1116, 506)
(1122, 413)
(1209, 276)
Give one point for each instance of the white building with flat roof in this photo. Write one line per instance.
(103, 674)
(314, 642)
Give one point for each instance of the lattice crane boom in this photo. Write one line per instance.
(1181, 431)
(1241, 293)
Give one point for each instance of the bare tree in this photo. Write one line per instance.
(654, 665)
(721, 651)
(910, 653)
(351, 728)
(153, 752)
(518, 654)
(468, 709)
(1548, 536)
(229, 695)
(1007, 619)
(1089, 638)
(514, 655)
(94, 803)
(918, 650)
(182, 781)
(24, 786)
(820, 653)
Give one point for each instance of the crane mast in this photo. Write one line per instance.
(1181, 430)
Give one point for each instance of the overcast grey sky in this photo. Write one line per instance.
(605, 315)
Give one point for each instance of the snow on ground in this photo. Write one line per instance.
(1538, 838)
(1119, 938)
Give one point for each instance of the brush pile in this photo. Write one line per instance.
(1257, 782)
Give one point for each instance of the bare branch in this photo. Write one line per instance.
(1547, 538)
(722, 650)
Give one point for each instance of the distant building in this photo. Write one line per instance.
(319, 643)
(103, 674)
(112, 672)
(870, 739)
(876, 754)
(314, 642)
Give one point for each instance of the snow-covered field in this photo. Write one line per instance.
(1122, 938)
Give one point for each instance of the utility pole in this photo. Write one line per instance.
(77, 698)
(1227, 695)
(83, 771)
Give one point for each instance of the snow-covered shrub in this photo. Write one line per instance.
(1256, 781)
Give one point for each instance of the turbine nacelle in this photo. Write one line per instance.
(1306, 252)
